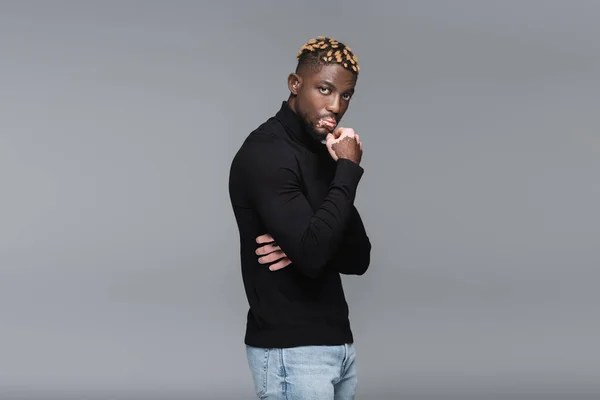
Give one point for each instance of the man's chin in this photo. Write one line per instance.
(319, 133)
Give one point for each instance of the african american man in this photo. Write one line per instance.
(292, 186)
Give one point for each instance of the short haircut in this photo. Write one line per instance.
(323, 50)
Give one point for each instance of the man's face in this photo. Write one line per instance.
(322, 97)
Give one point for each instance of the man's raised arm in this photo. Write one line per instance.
(353, 256)
(309, 239)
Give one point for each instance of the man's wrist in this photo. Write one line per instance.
(357, 162)
(349, 171)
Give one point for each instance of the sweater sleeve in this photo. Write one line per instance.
(354, 253)
(309, 239)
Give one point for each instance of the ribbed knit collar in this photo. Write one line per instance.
(296, 129)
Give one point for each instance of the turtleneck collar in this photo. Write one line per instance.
(294, 126)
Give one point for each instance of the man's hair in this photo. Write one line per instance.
(324, 50)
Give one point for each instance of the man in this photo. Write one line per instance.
(292, 186)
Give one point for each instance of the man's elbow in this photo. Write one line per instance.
(363, 265)
(364, 260)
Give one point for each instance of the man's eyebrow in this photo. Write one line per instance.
(330, 84)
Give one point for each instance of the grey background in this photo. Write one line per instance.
(119, 274)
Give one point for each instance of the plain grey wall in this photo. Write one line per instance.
(119, 271)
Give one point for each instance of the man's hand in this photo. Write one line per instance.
(269, 252)
(344, 143)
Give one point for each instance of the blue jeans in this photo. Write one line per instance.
(304, 373)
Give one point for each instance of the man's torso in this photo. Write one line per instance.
(287, 309)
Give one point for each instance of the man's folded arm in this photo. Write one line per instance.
(308, 238)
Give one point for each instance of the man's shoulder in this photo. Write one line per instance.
(266, 145)
(268, 134)
(264, 153)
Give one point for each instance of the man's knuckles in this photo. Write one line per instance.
(346, 132)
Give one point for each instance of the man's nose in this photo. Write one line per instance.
(334, 105)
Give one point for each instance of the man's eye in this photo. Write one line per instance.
(324, 90)
(347, 97)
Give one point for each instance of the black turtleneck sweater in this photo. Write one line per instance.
(284, 182)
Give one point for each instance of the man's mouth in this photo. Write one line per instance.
(327, 123)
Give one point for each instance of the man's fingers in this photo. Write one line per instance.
(266, 238)
(280, 264)
(271, 257)
(271, 253)
(267, 248)
(358, 141)
(346, 132)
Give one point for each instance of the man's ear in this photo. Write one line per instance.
(294, 83)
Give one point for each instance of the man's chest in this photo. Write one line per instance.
(316, 175)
